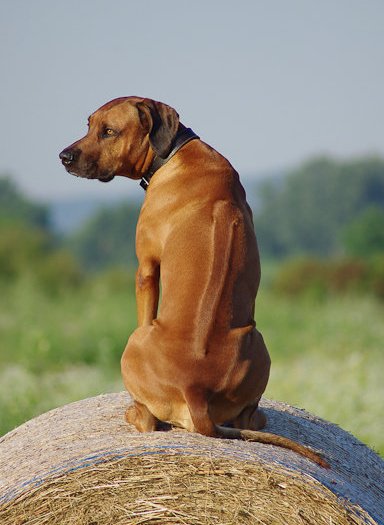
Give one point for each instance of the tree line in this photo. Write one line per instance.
(323, 209)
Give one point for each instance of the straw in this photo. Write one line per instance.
(82, 464)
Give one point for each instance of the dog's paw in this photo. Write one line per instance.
(131, 415)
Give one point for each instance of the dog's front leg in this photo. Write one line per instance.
(147, 292)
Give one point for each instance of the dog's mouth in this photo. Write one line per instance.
(88, 172)
(108, 178)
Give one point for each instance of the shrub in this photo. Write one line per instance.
(20, 248)
(59, 271)
(376, 275)
(31, 252)
(318, 278)
(115, 279)
(299, 276)
(347, 275)
(364, 236)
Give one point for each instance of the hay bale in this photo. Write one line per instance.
(81, 464)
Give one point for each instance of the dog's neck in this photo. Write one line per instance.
(183, 136)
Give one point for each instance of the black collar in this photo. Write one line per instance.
(183, 136)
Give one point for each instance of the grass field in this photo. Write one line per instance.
(327, 357)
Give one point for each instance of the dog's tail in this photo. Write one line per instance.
(202, 422)
(272, 439)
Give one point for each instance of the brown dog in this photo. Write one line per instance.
(196, 361)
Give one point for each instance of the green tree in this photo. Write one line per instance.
(28, 248)
(364, 236)
(21, 248)
(307, 211)
(108, 238)
(15, 207)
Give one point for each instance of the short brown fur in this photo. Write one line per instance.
(196, 360)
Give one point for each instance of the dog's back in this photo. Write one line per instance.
(195, 221)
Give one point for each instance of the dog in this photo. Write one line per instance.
(196, 360)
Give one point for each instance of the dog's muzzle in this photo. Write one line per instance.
(70, 157)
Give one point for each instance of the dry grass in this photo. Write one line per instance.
(180, 490)
(81, 464)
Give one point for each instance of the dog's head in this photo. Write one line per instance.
(123, 137)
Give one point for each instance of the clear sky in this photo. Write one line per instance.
(268, 83)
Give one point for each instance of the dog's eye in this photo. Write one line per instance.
(108, 132)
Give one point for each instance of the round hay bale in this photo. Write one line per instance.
(82, 464)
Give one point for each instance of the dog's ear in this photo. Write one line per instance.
(162, 122)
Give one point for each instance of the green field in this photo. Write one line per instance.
(327, 356)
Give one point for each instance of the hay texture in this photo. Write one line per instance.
(82, 464)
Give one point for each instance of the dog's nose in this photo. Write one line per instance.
(67, 156)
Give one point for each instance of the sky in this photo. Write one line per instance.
(267, 83)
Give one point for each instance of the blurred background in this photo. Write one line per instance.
(291, 93)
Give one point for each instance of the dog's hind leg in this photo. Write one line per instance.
(139, 416)
(201, 421)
